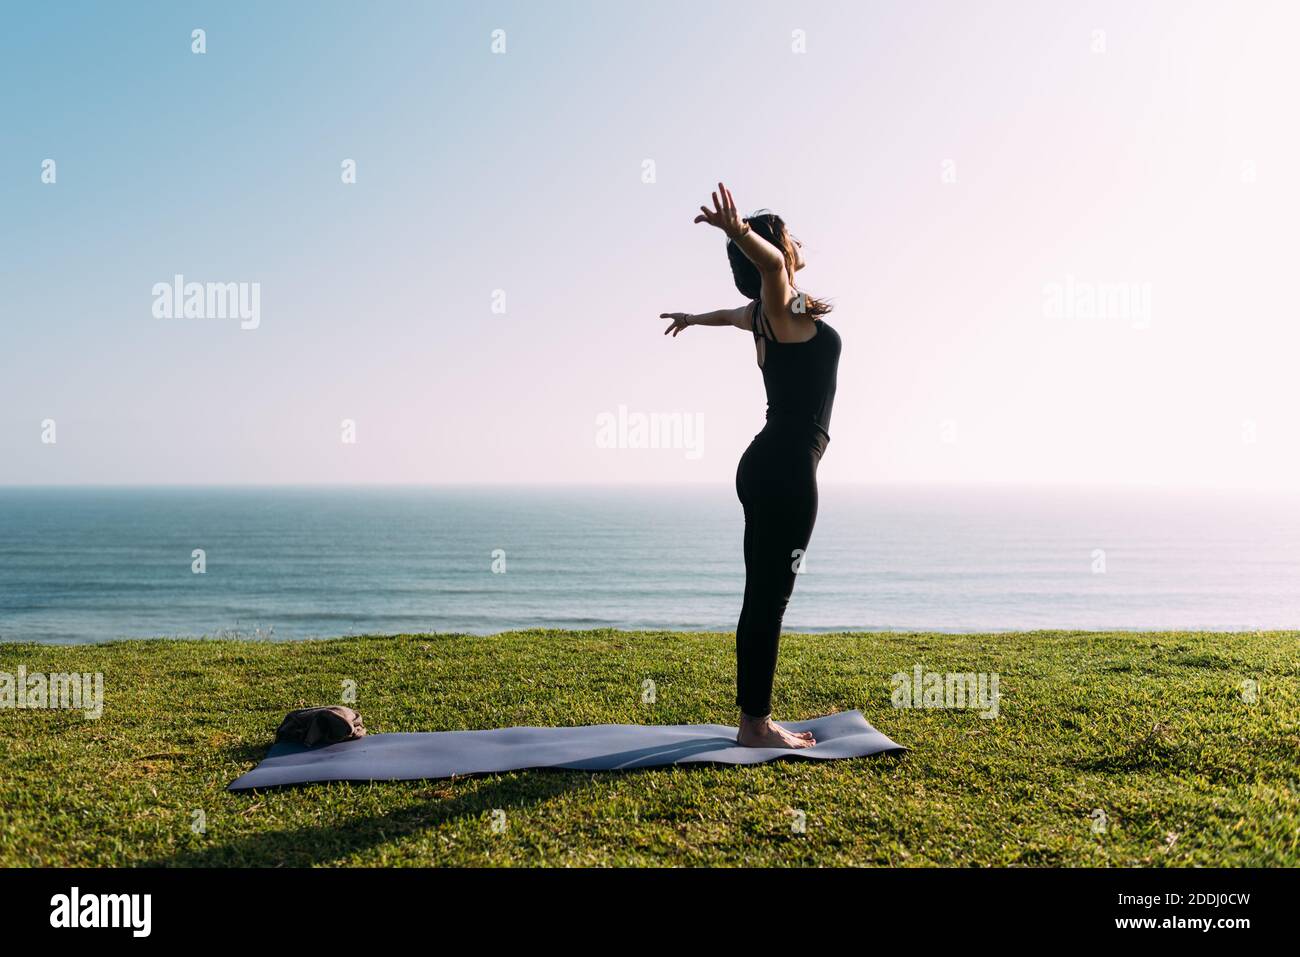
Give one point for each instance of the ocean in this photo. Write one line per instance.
(93, 564)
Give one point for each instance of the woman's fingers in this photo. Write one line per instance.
(723, 211)
(729, 200)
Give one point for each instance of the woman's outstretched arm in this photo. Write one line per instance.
(738, 317)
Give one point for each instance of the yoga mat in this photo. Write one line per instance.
(601, 747)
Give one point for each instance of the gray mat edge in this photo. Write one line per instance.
(881, 745)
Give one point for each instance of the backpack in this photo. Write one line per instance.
(313, 726)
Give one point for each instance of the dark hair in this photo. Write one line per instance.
(748, 280)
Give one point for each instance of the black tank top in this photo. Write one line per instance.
(799, 377)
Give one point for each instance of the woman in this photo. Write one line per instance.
(777, 479)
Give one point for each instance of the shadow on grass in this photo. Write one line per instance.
(335, 841)
(249, 753)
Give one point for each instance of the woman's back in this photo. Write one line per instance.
(799, 377)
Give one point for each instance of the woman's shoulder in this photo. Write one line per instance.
(826, 329)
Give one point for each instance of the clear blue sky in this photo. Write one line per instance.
(1164, 160)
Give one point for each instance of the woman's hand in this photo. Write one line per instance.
(724, 215)
(680, 320)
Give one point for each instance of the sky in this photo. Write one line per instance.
(1060, 238)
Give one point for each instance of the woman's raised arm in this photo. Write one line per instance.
(767, 259)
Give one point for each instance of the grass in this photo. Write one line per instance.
(1152, 731)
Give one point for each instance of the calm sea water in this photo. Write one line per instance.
(96, 564)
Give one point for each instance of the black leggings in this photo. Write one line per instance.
(777, 485)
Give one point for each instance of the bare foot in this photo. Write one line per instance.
(765, 733)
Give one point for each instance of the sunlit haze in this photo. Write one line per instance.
(1060, 242)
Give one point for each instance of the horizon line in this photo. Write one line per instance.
(932, 484)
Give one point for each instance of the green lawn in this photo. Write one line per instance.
(1151, 730)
